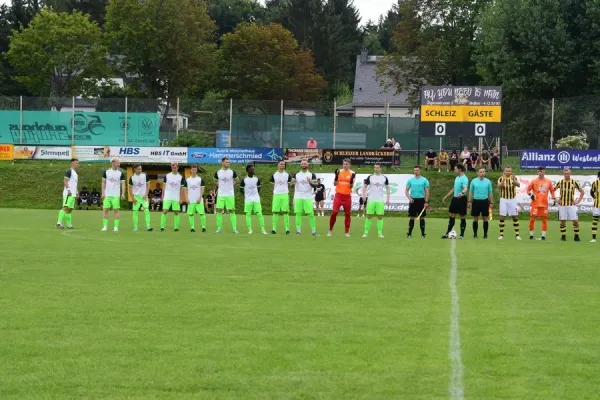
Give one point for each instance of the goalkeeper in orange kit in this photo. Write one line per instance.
(538, 190)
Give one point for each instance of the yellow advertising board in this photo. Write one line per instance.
(465, 113)
(6, 152)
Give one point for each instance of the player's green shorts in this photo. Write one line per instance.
(252, 206)
(174, 205)
(195, 208)
(303, 206)
(111, 202)
(139, 203)
(375, 207)
(69, 201)
(281, 203)
(226, 202)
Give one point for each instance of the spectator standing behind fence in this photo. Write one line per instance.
(396, 144)
(311, 144)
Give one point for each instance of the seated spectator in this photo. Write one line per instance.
(209, 203)
(495, 160)
(95, 198)
(431, 159)
(453, 159)
(465, 157)
(395, 144)
(84, 198)
(486, 159)
(443, 160)
(156, 203)
(311, 144)
(388, 144)
(475, 159)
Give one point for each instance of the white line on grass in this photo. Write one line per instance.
(456, 367)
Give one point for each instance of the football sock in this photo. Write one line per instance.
(463, 226)
(261, 221)
(135, 215)
(192, 223)
(176, 221)
(219, 218)
(275, 221)
(422, 226)
(286, 222)
(380, 226)
(163, 220)
(298, 222)
(61, 216)
(117, 223)
(312, 222)
(544, 224)
(203, 221)
(516, 226)
(68, 217)
(347, 221)
(451, 221)
(147, 217)
(595, 226)
(233, 219)
(367, 225)
(332, 219)
(575, 227)
(475, 227)
(486, 226)
(411, 225)
(249, 220)
(105, 222)
(532, 224)
(502, 228)
(563, 230)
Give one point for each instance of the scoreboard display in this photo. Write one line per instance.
(461, 111)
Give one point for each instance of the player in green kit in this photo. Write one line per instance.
(226, 178)
(113, 191)
(173, 195)
(138, 191)
(250, 187)
(417, 192)
(375, 185)
(69, 195)
(281, 197)
(195, 195)
(304, 182)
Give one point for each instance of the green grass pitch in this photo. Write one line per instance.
(104, 315)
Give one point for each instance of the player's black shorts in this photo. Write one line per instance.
(360, 201)
(415, 208)
(458, 205)
(480, 207)
(319, 198)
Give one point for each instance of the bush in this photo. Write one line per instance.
(573, 142)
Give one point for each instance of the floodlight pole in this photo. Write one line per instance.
(552, 125)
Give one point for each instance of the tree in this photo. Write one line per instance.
(575, 142)
(433, 43)
(228, 14)
(264, 62)
(96, 9)
(330, 30)
(167, 44)
(56, 53)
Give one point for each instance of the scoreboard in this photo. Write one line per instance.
(461, 111)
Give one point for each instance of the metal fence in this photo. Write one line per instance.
(288, 124)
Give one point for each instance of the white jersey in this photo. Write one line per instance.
(376, 187)
(281, 182)
(194, 188)
(251, 187)
(303, 189)
(72, 177)
(173, 184)
(226, 178)
(139, 184)
(113, 179)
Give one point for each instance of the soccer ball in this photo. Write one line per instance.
(452, 235)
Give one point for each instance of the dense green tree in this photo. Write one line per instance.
(55, 54)
(96, 9)
(167, 44)
(228, 14)
(264, 62)
(433, 43)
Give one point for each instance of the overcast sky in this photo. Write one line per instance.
(369, 9)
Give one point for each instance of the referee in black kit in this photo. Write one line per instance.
(458, 205)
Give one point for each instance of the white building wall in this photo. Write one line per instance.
(370, 111)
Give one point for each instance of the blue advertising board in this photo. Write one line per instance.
(558, 159)
(81, 128)
(209, 155)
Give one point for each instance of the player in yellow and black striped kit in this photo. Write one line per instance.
(507, 186)
(567, 209)
(595, 192)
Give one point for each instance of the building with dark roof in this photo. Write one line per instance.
(370, 97)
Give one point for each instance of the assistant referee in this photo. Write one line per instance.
(481, 198)
(458, 205)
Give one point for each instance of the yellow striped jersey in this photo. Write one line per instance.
(596, 193)
(567, 191)
(509, 190)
